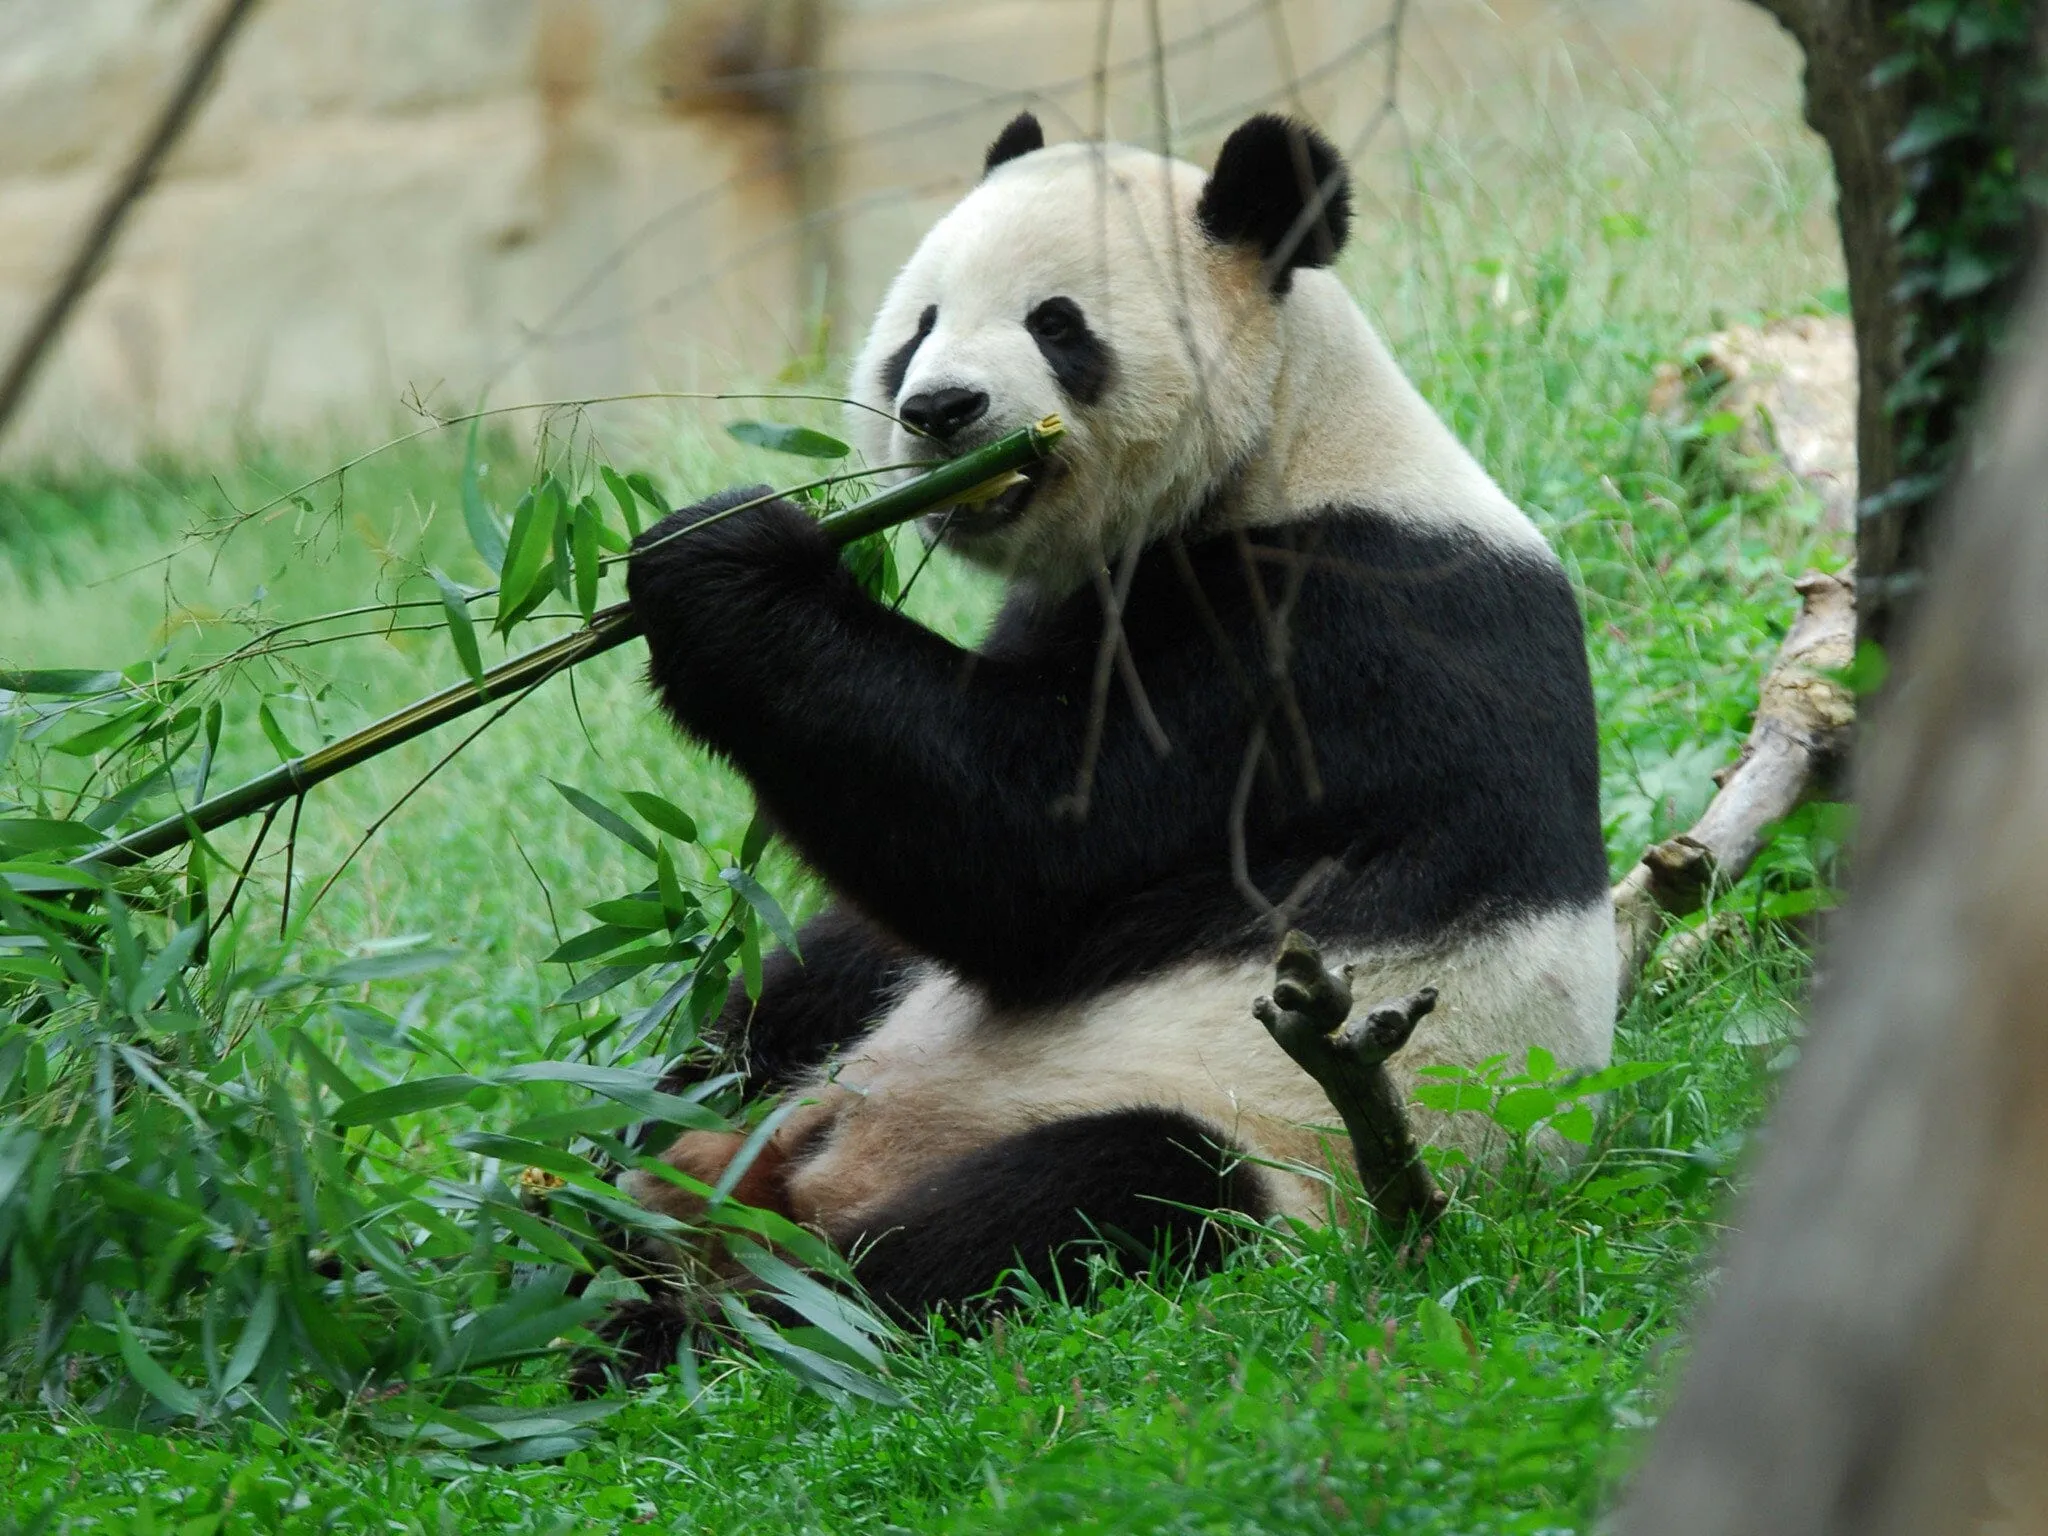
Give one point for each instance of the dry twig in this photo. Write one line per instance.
(1802, 724)
(86, 261)
(1306, 1017)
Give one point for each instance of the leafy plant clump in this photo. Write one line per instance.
(215, 1200)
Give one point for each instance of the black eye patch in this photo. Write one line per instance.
(1080, 360)
(898, 362)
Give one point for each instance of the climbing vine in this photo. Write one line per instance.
(1971, 173)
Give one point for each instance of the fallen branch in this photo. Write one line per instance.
(1803, 717)
(1306, 1016)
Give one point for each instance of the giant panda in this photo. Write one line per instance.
(1275, 650)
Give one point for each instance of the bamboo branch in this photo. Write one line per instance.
(1306, 1018)
(956, 480)
(1803, 717)
(121, 198)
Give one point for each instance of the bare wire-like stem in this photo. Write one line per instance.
(85, 264)
(1309, 1017)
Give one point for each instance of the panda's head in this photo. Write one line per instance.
(1136, 296)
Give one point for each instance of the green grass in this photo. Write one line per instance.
(1495, 1381)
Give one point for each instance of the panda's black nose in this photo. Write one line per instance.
(940, 413)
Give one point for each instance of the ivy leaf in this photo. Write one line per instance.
(1929, 128)
(778, 438)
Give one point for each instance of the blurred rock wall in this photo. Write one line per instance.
(389, 199)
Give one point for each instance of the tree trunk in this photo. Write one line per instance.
(1935, 236)
(1874, 1358)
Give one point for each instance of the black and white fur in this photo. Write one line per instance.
(1026, 1021)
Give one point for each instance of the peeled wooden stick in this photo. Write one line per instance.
(1802, 724)
(1306, 1017)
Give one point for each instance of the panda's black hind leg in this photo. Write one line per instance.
(1141, 1180)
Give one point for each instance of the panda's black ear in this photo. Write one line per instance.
(1282, 189)
(1020, 135)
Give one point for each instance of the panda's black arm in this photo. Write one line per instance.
(921, 780)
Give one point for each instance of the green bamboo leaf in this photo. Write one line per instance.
(482, 522)
(61, 682)
(636, 1090)
(757, 897)
(385, 966)
(644, 489)
(833, 1377)
(583, 550)
(663, 815)
(803, 442)
(844, 1319)
(255, 1337)
(607, 818)
(677, 902)
(104, 733)
(622, 967)
(622, 493)
(20, 834)
(560, 566)
(151, 1377)
(408, 1098)
(166, 963)
(526, 552)
(455, 604)
(516, 1149)
(634, 912)
(543, 585)
(755, 843)
(591, 943)
(286, 751)
(750, 958)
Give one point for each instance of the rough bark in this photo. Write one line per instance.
(1803, 718)
(1873, 1359)
(1844, 41)
(1306, 1016)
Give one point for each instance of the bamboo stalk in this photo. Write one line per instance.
(610, 628)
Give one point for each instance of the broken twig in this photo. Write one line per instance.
(1306, 1016)
(1803, 716)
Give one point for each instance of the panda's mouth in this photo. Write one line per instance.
(970, 521)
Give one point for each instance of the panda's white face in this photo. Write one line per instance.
(1074, 280)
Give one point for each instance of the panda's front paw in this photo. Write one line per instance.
(731, 540)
